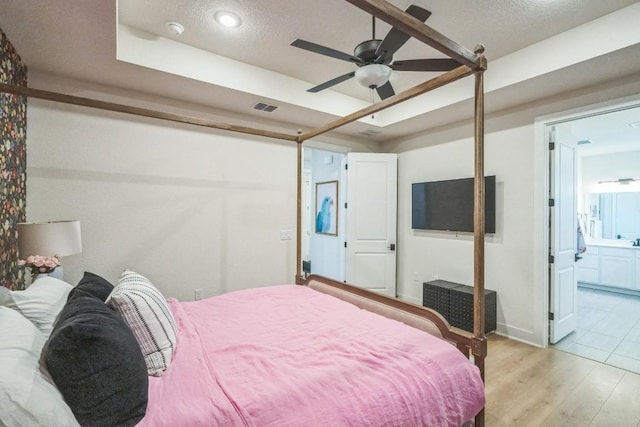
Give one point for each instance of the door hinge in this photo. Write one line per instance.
(552, 146)
(551, 259)
(551, 317)
(552, 203)
(345, 244)
(346, 166)
(345, 205)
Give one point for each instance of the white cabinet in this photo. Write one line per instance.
(637, 287)
(617, 267)
(587, 266)
(610, 266)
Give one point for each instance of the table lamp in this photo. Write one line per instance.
(53, 238)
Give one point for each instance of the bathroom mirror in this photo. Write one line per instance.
(613, 215)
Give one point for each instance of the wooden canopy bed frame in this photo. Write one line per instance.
(473, 345)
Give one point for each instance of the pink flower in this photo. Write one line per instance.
(40, 264)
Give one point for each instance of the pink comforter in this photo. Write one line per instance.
(291, 356)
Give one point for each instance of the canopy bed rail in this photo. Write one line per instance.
(420, 317)
(471, 63)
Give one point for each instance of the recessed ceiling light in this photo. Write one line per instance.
(175, 28)
(228, 19)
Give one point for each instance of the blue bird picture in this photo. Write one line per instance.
(323, 219)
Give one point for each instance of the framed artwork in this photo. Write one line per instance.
(327, 208)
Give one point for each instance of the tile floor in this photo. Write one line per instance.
(608, 329)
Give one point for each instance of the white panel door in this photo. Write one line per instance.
(371, 221)
(563, 282)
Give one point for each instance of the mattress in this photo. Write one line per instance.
(291, 356)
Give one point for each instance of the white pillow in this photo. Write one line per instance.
(41, 302)
(147, 313)
(26, 397)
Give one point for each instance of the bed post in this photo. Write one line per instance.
(479, 340)
(299, 278)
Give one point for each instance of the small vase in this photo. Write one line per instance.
(56, 273)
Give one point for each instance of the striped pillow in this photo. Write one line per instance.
(145, 310)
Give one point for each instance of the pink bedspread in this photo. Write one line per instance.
(291, 356)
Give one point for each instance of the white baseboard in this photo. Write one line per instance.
(517, 334)
(409, 298)
(514, 333)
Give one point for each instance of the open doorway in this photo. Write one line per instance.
(323, 251)
(607, 257)
(350, 225)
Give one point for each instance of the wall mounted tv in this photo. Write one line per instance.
(448, 205)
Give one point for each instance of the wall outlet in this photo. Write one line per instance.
(285, 234)
(415, 277)
(197, 294)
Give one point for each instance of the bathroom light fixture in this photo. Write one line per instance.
(373, 75)
(228, 19)
(621, 181)
(175, 28)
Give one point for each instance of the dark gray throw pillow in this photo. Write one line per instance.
(93, 285)
(96, 363)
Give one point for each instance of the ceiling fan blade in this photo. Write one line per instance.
(386, 90)
(435, 64)
(323, 50)
(332, 82)
(396, 38)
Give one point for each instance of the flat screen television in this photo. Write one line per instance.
(448, 205)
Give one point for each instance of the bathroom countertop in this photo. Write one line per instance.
(624, 244)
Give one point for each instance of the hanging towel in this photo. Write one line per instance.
(581, 246)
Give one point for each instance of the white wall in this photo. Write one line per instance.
(189, 208)
(515, 258)
(427, 255)
(610, 167)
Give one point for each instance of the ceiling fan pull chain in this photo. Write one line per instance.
(372, 101)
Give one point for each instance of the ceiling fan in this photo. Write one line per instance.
(374, 58)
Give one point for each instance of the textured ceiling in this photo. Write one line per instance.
(503, 26)
(79, 40)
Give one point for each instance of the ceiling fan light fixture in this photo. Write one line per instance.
(373, 75)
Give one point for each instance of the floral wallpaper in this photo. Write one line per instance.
(13, 163)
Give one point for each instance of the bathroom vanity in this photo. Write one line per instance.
(610, 263)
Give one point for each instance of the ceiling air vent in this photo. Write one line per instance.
(370, 133)
(584, 141)
(264, 107)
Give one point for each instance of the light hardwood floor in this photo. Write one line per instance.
(531, 386)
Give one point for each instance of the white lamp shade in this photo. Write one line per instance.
(373, 75)
(59, 238)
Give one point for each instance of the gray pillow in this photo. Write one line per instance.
(93, 285)
(96, 363)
